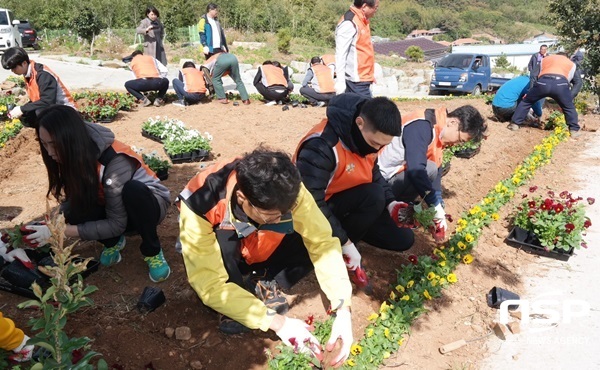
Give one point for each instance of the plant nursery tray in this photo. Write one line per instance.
(15, 270)
(107, 119)
(467, 153)
(527, 241)
(151, 136)
(196, 156)
(446, 169)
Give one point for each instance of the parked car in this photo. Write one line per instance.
(9, 32)
(28, 35)
(464, 73)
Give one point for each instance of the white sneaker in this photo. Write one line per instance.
(321, 104)
(179, 103)
(271, 103)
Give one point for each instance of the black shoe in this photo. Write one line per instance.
(268, 292)
(230, 326)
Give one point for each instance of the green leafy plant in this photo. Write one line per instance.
(415, 53)
(557, 222)
(424, 215)
(164, 127)
(19, 80)
(284, 40)
(8, 130)
(189, 142)
(66, 295)
(156, 163)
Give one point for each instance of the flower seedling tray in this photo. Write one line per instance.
(150, 136)
(196, 156)
(446, 169)
(107, 119)
(527, 241)
(41, 279)
(467, 153)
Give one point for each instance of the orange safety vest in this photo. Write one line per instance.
(322, 81)
(121, 148)
(256, 246)
(33, 90)
(557, 65)
(143, 66)
(210, 64)
(193, 80)
(272, 75)
(365, 54)
(435, 150)
(351, 168)
(328, 59)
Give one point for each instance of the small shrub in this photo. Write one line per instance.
(415, 53)
(284, 40)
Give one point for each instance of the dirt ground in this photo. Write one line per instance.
(131, 340)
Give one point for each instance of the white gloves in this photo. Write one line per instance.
(39, 237)
(205, 50)
(15, 112)
(295, 333)
(18, 254)
(351, 256)
(23, 352)
(340, 85)
(441, 226)
(342, 328)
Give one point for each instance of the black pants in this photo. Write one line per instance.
(287, 265)
(143, 214)
(315, 97)
(360, 88)
(139, 85)
(504, 114)
(403, 188)
(191, 98)
(363, 214)
(272, 92)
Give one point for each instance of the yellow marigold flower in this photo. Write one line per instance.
(386, 332)
(483, 214)
(443, 281)
(452, 249)
(434, 282)
(392, 295)
(452, 278)
(442, 263)
(468, 259)
(405, 297)
(431, 275)
(498, 187)
(400, 288)
(462, 222)
(442, 255)
(410, 284)
(384, 307)
(459, 229)
(356, 349)
(462, 246)
(350, 362)
(386, 355)
(370, 332)
(495, 216)
(373, 316)
(426, 294)
(475, 210)
(469, 238)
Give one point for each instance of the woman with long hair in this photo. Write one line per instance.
(104, 188)
(154, 33)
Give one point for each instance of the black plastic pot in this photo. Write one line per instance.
(162, 174)
(196, 156)
(151, 136)
(527, 241)
(467, 153)
(496, 296)
(151, 299)
(20, 276)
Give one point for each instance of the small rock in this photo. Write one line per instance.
(515, 327)
(515, 314)
(172, 353)
(515, 357)
(183, 333)
(196, 365)
(108, 327)
(501, 330)
(169, 332)
(213, 341)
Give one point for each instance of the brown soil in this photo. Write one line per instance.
(132, 340)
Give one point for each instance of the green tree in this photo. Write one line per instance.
(502, 62)
(415, 53)
(577, 23)
(284, 40)
(87, 25)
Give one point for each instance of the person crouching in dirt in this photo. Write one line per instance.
(273, 82)
(190, 85)
(149, 75)
(411, 163)
(13, 339)
(248, 226)
(510, 95)
(338, 162)
(104, 186)
(43, 86)
(318, 85)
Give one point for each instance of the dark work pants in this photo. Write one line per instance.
(315, 97)
(287, 265)
(143, 214)
(191, 98)
(363, 215)
(557, 88)
(272, 92)
(139, 85)
(404, 189)
(360, 88)
(504, 114)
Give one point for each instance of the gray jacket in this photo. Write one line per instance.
(116, 173)
(153, 40)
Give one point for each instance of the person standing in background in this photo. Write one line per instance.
(211, 33)
(536, 58)
(154, 32)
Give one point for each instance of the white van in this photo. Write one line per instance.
(9, 32)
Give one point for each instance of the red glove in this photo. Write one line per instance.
(402, 214)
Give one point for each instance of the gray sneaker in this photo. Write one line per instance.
(321, 104)
(513, 127)
(146, 102)
(575, 134)
(179, 103)
(158, 102)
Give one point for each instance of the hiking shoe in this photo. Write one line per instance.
(279, 102)
(112, 256)
(513, 127)
(575, 134)
(268, 292)
(158, 102)
(270, 103)
(159, 268)
(230, 326)
(179, 103)
(146, 102)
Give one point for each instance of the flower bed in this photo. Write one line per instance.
(7, 101)
(102, 107)
(8, 130)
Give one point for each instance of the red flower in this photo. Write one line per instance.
(413, 259)
(584, 244)
(550, 193)
(590, 200)
(547, 205)
(565, 194)
(558, 208)
(449, 217)
(569, 227)
(5, 238)
(587, 223)
(530, 213)
(76, 355)
(310, 320)
(532, 189)
(531, 204)
(434, 257)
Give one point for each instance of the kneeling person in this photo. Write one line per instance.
(149, 75)
(189, 86)
(318, 85)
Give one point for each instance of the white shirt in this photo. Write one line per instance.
(216, 34)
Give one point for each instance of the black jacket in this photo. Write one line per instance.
(48, 87)
(316, 160)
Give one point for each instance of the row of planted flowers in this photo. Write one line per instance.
(102, 106)
(425, 277)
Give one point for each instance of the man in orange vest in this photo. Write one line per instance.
(354, 54)
(190, 85)
(273, 82)
(44, 87)
(248, 226)
(329, 61)
(149, 75)
(338, 163)
(13, 339)
(411, 163)
(318, 85)
(552, 79)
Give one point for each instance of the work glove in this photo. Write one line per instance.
(441, 226)
(294, 333)
(351, 256)
(23, 352)
(205, 50)
(342, 328)
(39, 235)
(15, 112)
(15, 254)
(402, 214)
(340, 85)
